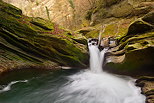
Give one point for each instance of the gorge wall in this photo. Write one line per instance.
(33, 41)
(67, 13)
(75, 14)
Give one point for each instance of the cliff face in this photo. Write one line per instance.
(137, 48)
(131, 23)
(76, 14)
(29, 41)
(108, 10)
(67, 13)
(54, 10)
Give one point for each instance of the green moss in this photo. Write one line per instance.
(10, 9)
(35, 41)
(47, 25)
(92, 34)
(88, 14)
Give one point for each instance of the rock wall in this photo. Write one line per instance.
(68, 13)
(75, 14)
(137, 46)
(30, 41)
(109, 10)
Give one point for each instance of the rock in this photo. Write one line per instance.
(123, 9)
(35, 42)
(85, 30)
(115, 59)
(150, 92)
(142, 25)
(111, 2)
(92, 34)
(142, 8)
(139, 27)
(47, 25)
(81, 40)
(149, 18)
(136, 63)
(104, 42)
(11, 10)
(147, 88)
(145, 78)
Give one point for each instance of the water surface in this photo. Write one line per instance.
(68, 86)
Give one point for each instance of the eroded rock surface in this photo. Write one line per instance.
(137, 46)
(29, 41)
(147, 85)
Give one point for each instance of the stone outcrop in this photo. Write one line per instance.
(137, 46)
(76, 14)
(147, 87)
(29, 41)
(106, 10)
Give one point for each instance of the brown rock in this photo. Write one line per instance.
(147, 88)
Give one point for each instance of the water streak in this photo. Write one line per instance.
(8, 87)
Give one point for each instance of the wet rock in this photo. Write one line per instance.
(104, 42)
(135, 63)
(147, 88)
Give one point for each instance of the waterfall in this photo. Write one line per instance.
(96, 86)
(96, 57)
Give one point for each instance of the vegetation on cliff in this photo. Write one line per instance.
(137, 47)
(35, 41)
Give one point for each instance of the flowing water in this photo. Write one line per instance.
(70, 86)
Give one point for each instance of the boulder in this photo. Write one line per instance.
(146, 83)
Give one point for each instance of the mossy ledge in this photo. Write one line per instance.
(137, 45)
(28, 41)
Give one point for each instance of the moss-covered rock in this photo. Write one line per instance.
(146, 83)
(122, 9)
(136, 63)
(37, 42)
(9, 9)
(137, 45)
(47, 25)
(103, 10)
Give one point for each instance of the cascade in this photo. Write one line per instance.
(96, 56)
(97, 86)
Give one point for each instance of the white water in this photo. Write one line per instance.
(96, 86)
(96, 58)
(88, 86)
(8, 87)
